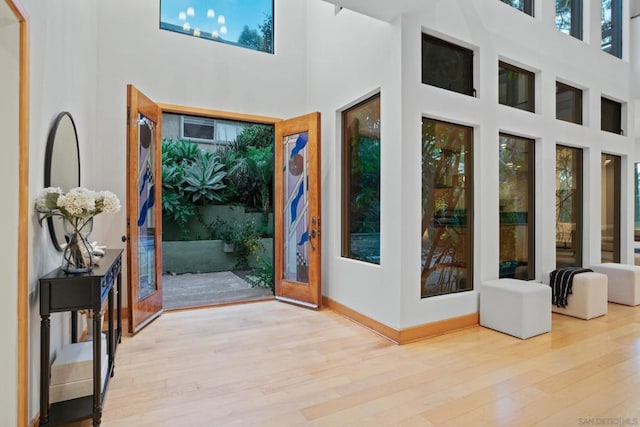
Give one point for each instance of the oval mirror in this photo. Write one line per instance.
(61, 167)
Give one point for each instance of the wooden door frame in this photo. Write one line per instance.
(23, 214)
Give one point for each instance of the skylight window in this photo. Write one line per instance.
(247, 23)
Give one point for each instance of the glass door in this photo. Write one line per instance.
(144, 215)
(297, 211)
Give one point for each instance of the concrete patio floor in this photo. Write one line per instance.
(193, 290)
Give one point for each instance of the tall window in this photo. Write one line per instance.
(243, 23)
(611, 22)
(610, 116)
(569, 17)
(568, 103)
(516, 87)
(610, 217)
(517, 186)
(446, 65)
(525, 6)
(568, 207)
(361, 181)
(447, 202)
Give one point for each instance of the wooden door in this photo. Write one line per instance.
(144, 209)
(297, 209)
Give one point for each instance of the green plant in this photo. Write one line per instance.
(262, 276)
(247, 241)
(203, 178)
(176, 206)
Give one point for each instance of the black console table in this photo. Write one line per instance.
(60, 292)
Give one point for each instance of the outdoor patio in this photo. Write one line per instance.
(193, 290)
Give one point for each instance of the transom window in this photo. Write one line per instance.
(516, 87)
(611, 116)
(568, 103)
(247, 23)
(446, 65)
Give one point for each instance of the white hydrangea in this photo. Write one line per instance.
(107, 202)
(78, 202)
(47, 199)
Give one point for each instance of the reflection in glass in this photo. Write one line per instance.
(516, 207)
(568, 207)
(569, 17)
(296, 208)
(610, 230)
(516, 87)
(361, 181)
(146, 218)
(446, 208)
(611, 24)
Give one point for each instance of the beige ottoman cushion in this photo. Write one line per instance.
(588, 298)
(623, 282)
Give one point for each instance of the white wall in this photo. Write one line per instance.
(376, 57)
(63, 78)
(9, 101)
(352, 57)
(177, 69)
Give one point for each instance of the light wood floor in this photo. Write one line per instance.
(272, 364)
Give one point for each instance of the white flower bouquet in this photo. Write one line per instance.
(77, 208)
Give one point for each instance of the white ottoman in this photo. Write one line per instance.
(516, 307)
(588, 298)
(623, 282)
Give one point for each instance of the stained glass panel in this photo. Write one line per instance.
(296, 208)
(146, 220)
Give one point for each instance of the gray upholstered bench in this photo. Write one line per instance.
(516, 307)
(623, 282)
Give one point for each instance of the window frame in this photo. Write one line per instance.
(346, 176)
(469, 57)
(577, 108)
(531, 85)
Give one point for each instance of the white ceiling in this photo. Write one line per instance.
(386, 10)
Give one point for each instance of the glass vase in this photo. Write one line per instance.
(77, 255)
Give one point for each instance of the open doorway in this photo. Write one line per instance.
(217, 209)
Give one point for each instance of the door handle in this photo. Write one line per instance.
(125, 238)
(314, 232)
